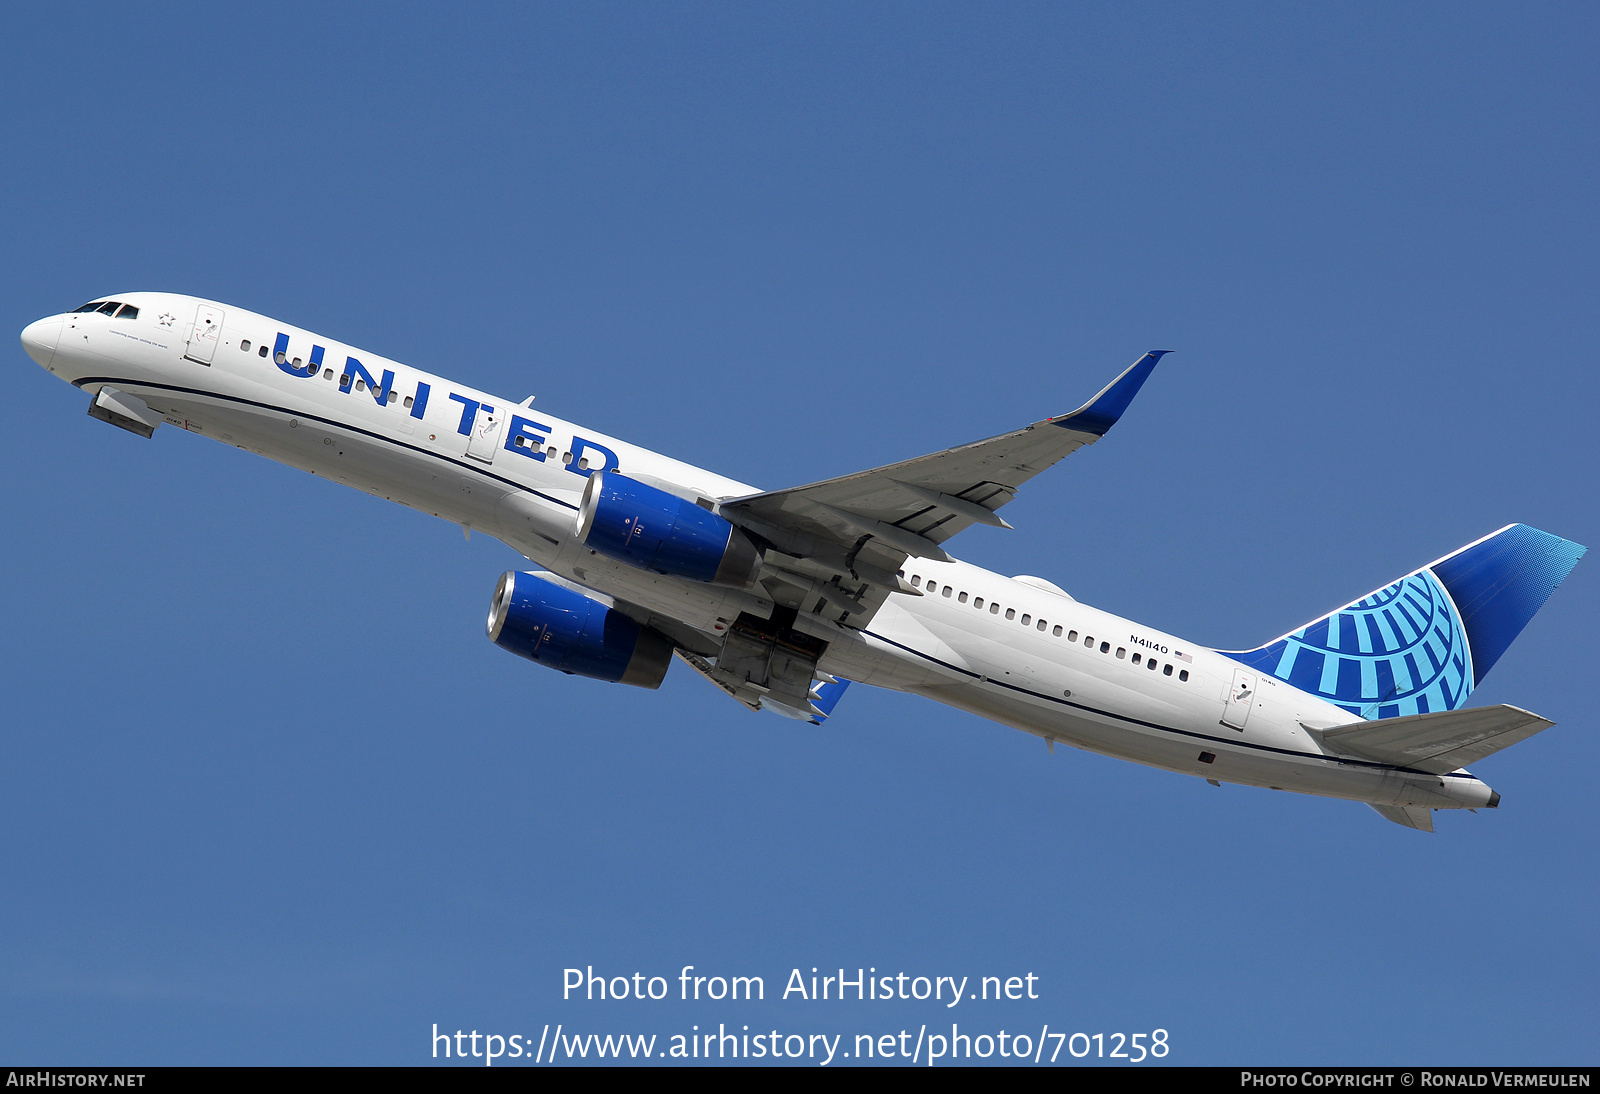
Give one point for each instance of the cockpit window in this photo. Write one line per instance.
(109, 307)
(93, 305)
(128, 312)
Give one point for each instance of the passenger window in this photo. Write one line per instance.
(245, 345)
(977, 602)
(297, 362)
(1136, 658)
(916, 579)
(962, 599)
(946, 592)
(392, 395)
(128, 312)
(109, 307)
(361, 385)
(566, 457)
(1042, 625)
(262, 352)
(1026, 619)
(1183, 674)
(1152, 664)
(900, 573)
(551, 452)
(933, 586)
(280, 357)
(994, 609)
(1121, 652)
(1105, 647)
(1072, 636)
(344, 380)
(1088, 640)
(1167, 671)
(1057, 632)
(327, 374)
(1011, 613)
(408, 402)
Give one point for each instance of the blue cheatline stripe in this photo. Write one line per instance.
(328, 422)
(1232, 742)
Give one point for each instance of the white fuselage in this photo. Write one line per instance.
(1073, 679)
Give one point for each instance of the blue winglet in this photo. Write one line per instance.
(827, 697)
(1101, 413)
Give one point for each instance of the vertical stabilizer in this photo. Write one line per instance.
(1422, 643)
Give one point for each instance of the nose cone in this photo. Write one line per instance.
(40, 338)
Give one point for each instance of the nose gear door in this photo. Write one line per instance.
(203, 338)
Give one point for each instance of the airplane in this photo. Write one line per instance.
(782, 598)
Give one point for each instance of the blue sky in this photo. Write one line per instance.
(269, 795)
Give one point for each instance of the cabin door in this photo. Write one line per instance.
(485, 436)
(1241, 697)
(203, 338)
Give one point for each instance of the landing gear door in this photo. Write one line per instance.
(203, 338)
(485, 436)
(1241, 697)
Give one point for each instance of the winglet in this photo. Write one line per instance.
(1101, 413)
(826, 696)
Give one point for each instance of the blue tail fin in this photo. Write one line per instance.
(1424, 642)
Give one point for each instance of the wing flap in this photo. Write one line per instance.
(1438, 742)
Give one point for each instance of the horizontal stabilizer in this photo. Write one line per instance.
(1439, 742)
(1419, 817)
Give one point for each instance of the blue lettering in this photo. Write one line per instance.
(354, 368)
(579, 446)
(469, 411)
(522, 430)
(280, 357)
(421, 403)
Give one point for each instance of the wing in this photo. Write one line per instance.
(845, 538)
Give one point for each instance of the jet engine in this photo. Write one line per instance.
(631, 522)
(565, 630)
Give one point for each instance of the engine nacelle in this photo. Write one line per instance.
(624, 519)
(565, 630)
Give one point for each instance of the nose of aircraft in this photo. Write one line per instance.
(40, 338)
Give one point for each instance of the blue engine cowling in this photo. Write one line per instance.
(565, 630)
(624, 519)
